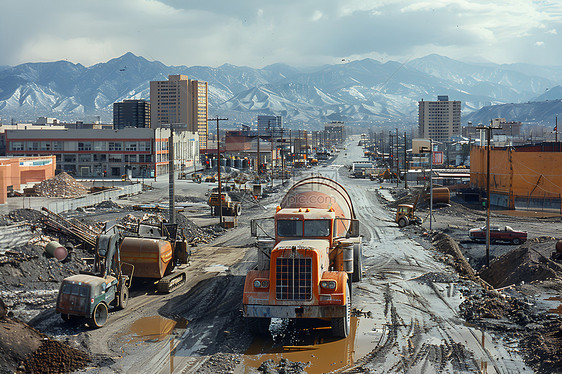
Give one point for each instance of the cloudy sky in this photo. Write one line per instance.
(297, 32)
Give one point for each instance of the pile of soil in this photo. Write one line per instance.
(20, 215)
(444, 243)
(55, 357)
(283, 366)
(527, 263)
(61, 185)
(24, 349)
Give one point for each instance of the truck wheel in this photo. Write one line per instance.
(516, 241)
(99, 316)
(402, 222)
(342, 325)
(123, 297)
(258, 326)
(357, 262)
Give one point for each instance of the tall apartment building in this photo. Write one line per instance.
(180, 101)
(439, 120)
(131, 113)
(199, 109)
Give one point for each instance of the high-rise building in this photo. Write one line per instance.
(439, 120)
(199, 109)
(270, 125)
(131, 113)
(180, 100)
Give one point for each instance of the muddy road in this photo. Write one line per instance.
(406, 315)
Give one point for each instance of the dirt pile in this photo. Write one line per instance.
(61, 185)
(55, 357)
(527, 263)
(25, 350)
(444, 243)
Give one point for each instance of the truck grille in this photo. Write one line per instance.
(294, 279)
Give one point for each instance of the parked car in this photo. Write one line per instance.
(497, 233)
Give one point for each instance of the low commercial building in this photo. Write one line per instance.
(137, 152)
(521, 177)
(18, 171)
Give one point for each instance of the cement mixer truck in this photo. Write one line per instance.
(306, 268)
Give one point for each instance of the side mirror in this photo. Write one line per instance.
(354, 229)
(253, 228)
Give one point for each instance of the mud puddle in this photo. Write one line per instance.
(322, 351)
(153, 329)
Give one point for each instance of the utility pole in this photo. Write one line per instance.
(430, 183)
(488, 130)
(258, 158)
(405, 163)
(171, 175)
(397, 161)
(219, 166)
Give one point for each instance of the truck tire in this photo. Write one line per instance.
(258, 326)
(342, 325)
(402, 222)
(123, 298)
(99, 316)
(516, 241)
(357, 262)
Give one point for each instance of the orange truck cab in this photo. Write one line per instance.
(306, 272)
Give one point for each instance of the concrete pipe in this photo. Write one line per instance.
(56, 250)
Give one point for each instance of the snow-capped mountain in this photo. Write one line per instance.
(358, 92)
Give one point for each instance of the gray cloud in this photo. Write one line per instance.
(297, 32)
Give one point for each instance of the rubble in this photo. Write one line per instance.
(61, 185)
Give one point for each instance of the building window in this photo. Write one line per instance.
(99, 146)
(45, 146)
(57, 146)
(16, 146)
(84, 146)
(115, 146)
(115, 158)
(144, 146)
(32, 146)
(130, 158)
(131, 146)
(69, 158)
(85, 158)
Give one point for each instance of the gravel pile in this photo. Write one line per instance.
(61, 185)
(19, 215)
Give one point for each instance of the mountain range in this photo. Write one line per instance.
(366, 92)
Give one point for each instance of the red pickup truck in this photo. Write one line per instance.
(504, 234)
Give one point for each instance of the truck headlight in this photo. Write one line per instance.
(330, 285)
(261, 283)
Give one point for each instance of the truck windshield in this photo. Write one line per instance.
(286, 227)
(308, 228)
(317, 227)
